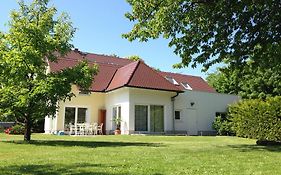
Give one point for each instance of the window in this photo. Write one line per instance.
(177, 115)
(116, 114)
(74, 115)
(154, 122)
(81, 118)
(69, 115)
(141, 118)
(156, 118)
(172, 80)
(186, 86)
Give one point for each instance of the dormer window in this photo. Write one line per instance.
(186, 86)
(172, 80)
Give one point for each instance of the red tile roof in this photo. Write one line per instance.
(146, 77)
(118, 72)
(122, 76)
(196, 83)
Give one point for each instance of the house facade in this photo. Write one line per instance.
(146, 100)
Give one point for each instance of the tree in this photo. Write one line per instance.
(134, 57)
(250, 80)
(208, 31)
(27, 92)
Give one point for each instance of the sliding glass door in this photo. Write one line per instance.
(74, 115)
(141, 118)
(149, 118)
(156, 118)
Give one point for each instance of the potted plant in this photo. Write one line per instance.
(117, 121)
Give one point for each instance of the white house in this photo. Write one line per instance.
(146, 100)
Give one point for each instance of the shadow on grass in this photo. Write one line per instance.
(88, 144)
(57, 169)
(248, 148)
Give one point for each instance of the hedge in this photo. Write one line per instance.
(258, 119)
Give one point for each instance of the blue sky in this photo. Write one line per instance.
(100, 24)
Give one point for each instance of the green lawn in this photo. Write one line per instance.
(49, 154)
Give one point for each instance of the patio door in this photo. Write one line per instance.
(156, 118)
(141, 118)
(74, 115)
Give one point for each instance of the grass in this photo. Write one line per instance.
(157, 155)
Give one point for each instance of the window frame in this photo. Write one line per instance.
(186, 86)
(177, 119)
(87, 115)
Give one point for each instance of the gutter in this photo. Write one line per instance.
(173, 110)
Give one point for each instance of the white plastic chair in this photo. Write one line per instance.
(95, 129)
(99, 130)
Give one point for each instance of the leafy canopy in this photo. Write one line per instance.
(209, 31)
(249, 80)
(27, 90)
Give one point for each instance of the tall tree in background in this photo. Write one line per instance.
(134, 58)
(211, 31)
(249, 80)
(35, 38)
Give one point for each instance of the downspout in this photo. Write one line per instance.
(173, 110)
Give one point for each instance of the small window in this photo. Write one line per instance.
(186, 86)
(172, 80)
(177, 115)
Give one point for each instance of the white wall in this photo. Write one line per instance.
(93, 102)
(201, 115)
(151, 97)
(119, 97)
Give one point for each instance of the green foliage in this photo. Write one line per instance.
(35, 38)
(134, 58)
(207, 32)
(117, 121)
(257, 118)
(250, 80)
(223, 126)
(17, 130)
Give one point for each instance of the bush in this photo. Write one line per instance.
(16, 130)
(257, 119)
(223, 126)
(1, 129)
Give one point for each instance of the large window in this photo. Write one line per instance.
(117, 115)
(81, 117)
(69, 117)
(156, 118)
(153, 122)
(141, 118)
(74, 115)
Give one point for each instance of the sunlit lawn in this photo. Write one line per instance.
(49, 154)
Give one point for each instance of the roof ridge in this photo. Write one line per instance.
(181, 74)
(131, 76)
(110, 80)
(156, 72)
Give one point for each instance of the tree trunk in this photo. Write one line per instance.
(27, 131)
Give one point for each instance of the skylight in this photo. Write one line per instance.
(172, 80)
(186, 86)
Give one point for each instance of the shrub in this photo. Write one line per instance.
(257, 119)
(1, 129)
(223, 126)
(16, 130)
